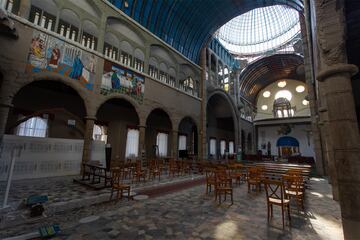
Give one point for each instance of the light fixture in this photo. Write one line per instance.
(264, 107)
(126, 4)
(300, 89)
(266, 94)
(305, 102)
(281, 84)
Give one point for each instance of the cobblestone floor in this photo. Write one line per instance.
(190, 214)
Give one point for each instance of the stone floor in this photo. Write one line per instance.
(190, 214)
(62, 189)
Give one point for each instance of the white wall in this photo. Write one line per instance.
(45, 157)
(299, 131)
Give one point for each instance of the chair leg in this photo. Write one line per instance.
(288, 208)
(232, 198)
(282, 213)
(128, 194)
(268, 212)
(112, 191)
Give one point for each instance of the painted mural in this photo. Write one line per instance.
(121, 80)
(49, 54)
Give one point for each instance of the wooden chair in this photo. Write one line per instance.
(210, 179)
(238, 173)
(154, 170)
(294, 189)
(275, 195)
(173, 168)
(117, 185)
(223, 186)
(254, 178)
(139, 173)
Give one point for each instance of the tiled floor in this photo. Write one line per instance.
(190, 214)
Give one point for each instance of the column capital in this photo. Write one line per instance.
(337, 69)
(90, 118)
(142, 126)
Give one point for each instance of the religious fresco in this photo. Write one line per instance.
(117, 79)
(49, 54)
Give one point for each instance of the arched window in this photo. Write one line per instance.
(213, 147)
(188, 85)
(162, 143)
(132, 143)
(99, 133)
(282, 108)
(182, 142)
(33, 127)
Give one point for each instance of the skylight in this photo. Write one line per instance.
(260, 30)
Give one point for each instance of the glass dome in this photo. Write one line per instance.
(260, 30)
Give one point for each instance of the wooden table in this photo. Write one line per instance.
(92, 175)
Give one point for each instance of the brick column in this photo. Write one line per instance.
(88, 134)
(142, 146)
(202, 142)
(174, 143)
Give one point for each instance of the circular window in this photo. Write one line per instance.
(283, 94)
(264, 107)
(281, 84)
(266, 94)
(305, 102)
(300, 89)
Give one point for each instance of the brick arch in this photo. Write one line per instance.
(170, 115)
(117, 96)
(55, 78)
(234, 110)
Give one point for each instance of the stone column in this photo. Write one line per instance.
(202, 131)
(343, 133)
(174, 144)
(329, 149)
(6, 98)
(88, 134)
(4, 112)
(309, 76)
(142, 147)
(101, 36)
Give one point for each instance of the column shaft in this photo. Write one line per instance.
(88, 134)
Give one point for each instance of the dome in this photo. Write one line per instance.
(260, 30)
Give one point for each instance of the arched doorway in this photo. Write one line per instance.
(221, 126)
(158, 134)
(187, 138)
(117, 120)
(47, 109)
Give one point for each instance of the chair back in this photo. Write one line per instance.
(274, 189)
(116, 176)
(293, 183)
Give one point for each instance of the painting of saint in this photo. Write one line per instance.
(115, 81)
(138, 88)
(55, 57)
(37, 51)
(77, 67)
